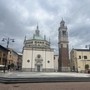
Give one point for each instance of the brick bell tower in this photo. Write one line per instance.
(63, 60)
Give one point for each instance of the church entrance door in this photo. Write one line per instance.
(38, 68)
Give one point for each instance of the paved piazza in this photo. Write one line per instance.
(47, 86)
(41, 74)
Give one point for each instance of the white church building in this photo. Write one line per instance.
(38, 56)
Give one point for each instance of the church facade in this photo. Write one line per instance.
(38, 56)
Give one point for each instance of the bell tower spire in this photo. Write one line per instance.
(62, 23)
(37, 26)
(37, 32)
(63, 61)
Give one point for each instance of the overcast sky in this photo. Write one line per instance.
(19, 18)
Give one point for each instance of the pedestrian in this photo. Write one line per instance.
(9, 67)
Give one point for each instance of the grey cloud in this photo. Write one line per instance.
(75, 13)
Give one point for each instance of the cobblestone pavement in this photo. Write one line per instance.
(47, 86)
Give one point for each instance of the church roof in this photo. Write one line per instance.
(38, 37)
(37, 34)
(82, 49)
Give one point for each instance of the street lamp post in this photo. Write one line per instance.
(7, 41)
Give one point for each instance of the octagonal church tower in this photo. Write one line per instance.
(63, 61)
(38, 56)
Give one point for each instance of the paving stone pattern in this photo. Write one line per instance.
(47, 86)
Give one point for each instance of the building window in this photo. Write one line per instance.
(4, 55)
(38, 44)
(28, 61)
(0, 60)
(10, 52)
(48, 61)
(10, 56)
(54, 57)
(85, 57)
(79, 57)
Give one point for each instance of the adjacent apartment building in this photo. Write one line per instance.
(3, 55)
(80, 58)
(12, 57)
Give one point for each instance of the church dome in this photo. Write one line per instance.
(37, 34)
(37, 41)
(38, 37)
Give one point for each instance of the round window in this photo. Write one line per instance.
(38, 56)
(28, 61)
(48, 61)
